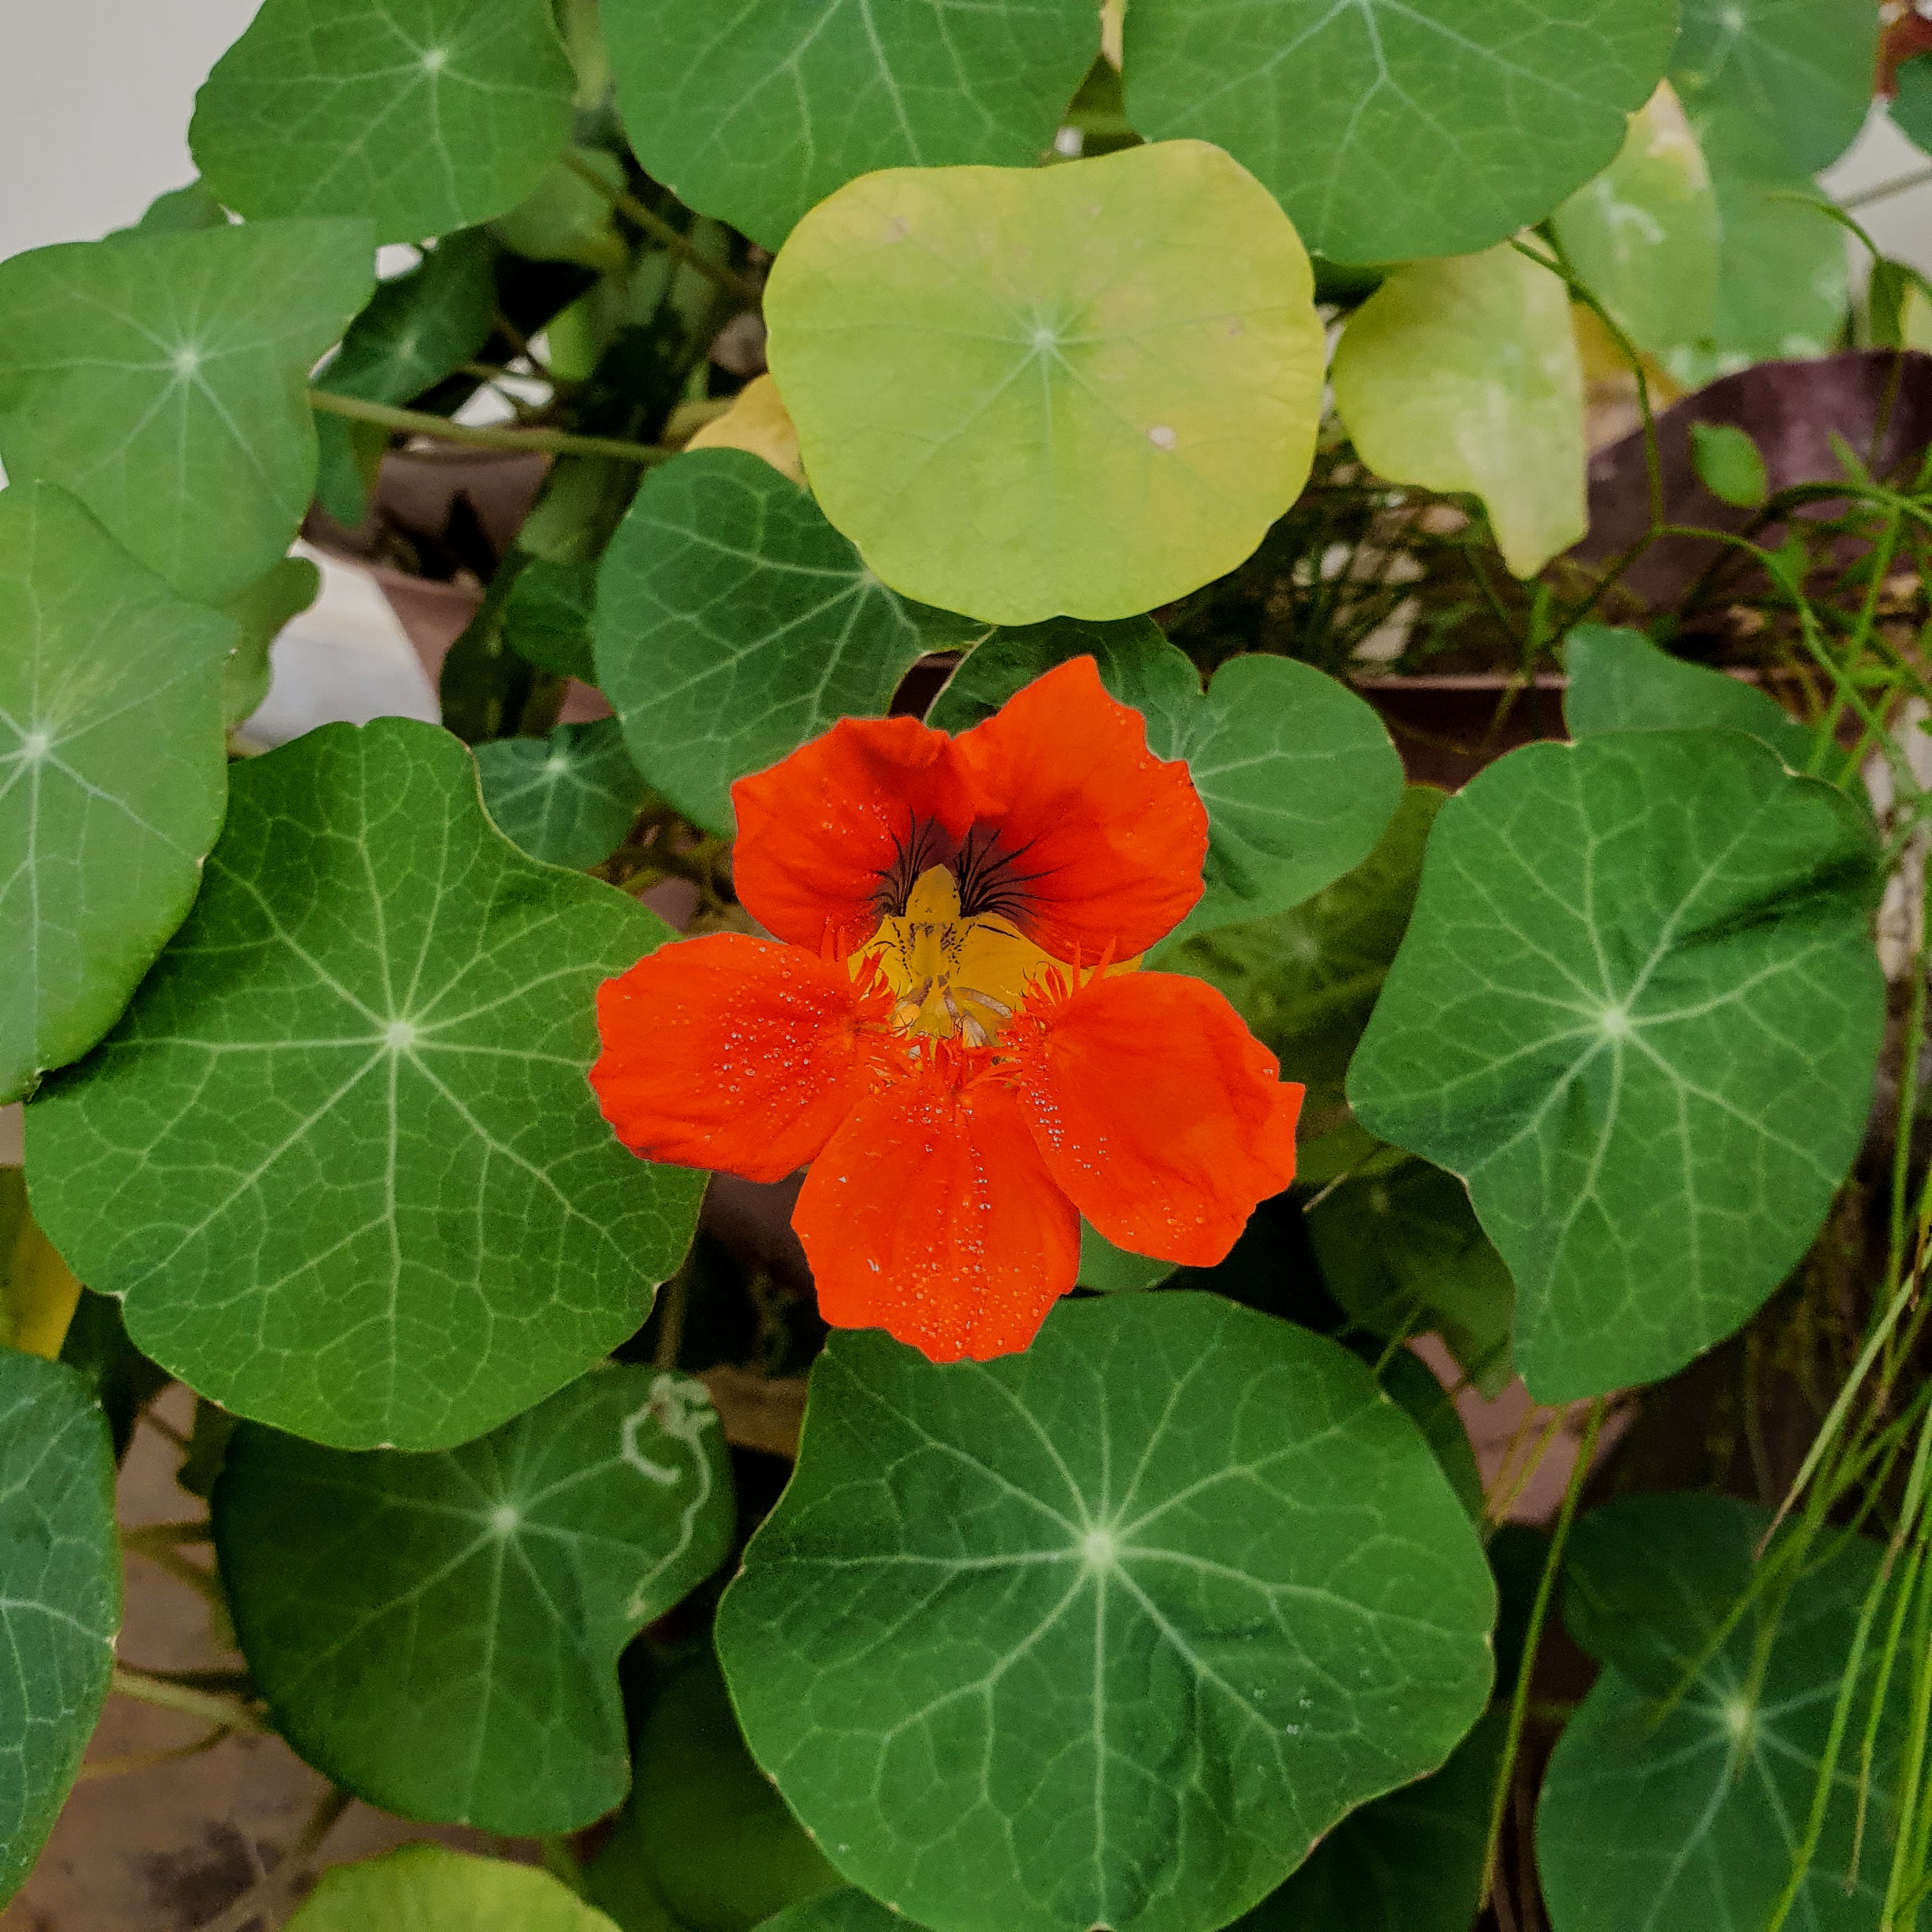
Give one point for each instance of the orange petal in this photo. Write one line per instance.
(1100, 842)
(732, 1053)
(823, 833)
(931, 1215)
(1156, 1110)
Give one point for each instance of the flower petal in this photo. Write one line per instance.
(930, 1215)
(1156, 1110)
(732, 1053)
(821, 833)
(1099, 842)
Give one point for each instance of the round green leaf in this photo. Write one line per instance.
(1911, 106)
(1637, 1010)
(733, 623)
(1463, 374)
(1085, 389)
(424, 117)
(113, 775)
(534, 1555)
(1107, 1633)
(1620, 681)
(756, 117)
(1298, 775)
(60, 1595)
(163, 380)
(339, 1158)
(568, 799)
(547, 619)
(1686, 1820)
(1399, 127)
(1112, 1271)
(426, 1888)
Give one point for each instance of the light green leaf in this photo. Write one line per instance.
(1620, 681)
(180, 210)
(38, 1293)
(1113, 1270)
(1463, 374)
(546, 620)
(564, 219)
(426, 116)
(1403, 1253)
(733, 623)
(284, 590)
(60, 1595)
(1410, 1862)
(1801, 70)
(1084, 390)
(162, 379)
(427, 1889)
(113, 775)
(1729, 465)
(1014, 1647)
(1297, 775)
(534, 1554)
(1391, 129)
(756, 116)
(568, 799)
(1686, 1820)
(339, 1158)
(705, 1841)
(1643, 234)
(1637, 1010)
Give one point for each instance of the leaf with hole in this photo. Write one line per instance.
(1391, 128)
(113, 775)
(756, 117)
(1181, 1566)
(568, 800)
(1637, 1010)
(429, 1889)
(733, 623)
(163, 380)
(423, 119)
(535, 1554)
(339, 1158)
(60, 1595)
(1085, 390)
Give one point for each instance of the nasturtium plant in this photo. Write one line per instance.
(1118, 360)
(568, 800)
(429, 1889)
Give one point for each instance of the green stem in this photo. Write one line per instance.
(486, 436)
(205, 1705)
(666, 234)
(269, 1888)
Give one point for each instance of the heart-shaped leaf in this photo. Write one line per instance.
(568, 799)
(1107, 1633)
(1400, 127)
(423, 118)
(60, 1595)
(1637, 1010)
(1023, 392)
(1686, 1820)
(113, 775)
(756, 120)
(339, 1157)
(535, 1554)
(1463, 374)
(1297, 775)
(733, 623)
(163, 380)
(429, 1889)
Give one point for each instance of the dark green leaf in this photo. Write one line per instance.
(1728, 464)
(848, 1910)
(118, 1376)
(60, 1595)
(1114, 1270)
(286, 589)
(1109, 1632)
(568, 799)
(1686, 1820)
(1637, 1011)
(427, 1889)
(339, 1158)
(113, 775)
(163, 380)
(754, 120)
(1912, 105)
(733, 623)
(424, 119)
(547, 622)
(533, 1556)
(1412, 1387)
(1389, 129)
(1620, 681)
(181, 210)
(1297, 775)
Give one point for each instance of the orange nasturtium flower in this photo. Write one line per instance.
(949, 1031)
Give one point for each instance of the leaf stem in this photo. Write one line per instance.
(486, 436)
(268, 1890)
(146, 1688)
(666, 234)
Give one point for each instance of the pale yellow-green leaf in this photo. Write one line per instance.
(757, 421)
(1084, 390)
(1915, 319)
(38, 1291)
(1462, 374)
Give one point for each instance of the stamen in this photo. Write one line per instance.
(986, 999)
